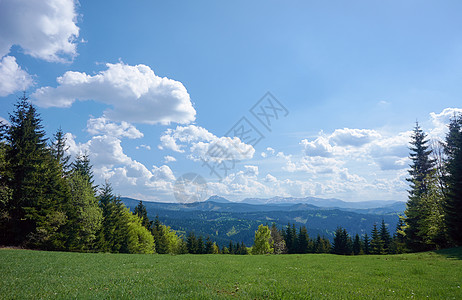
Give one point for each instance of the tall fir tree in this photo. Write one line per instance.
(376, 244)
(38, 190)
(453, 179)
(142, 213)
(420, 169)
(385, 237)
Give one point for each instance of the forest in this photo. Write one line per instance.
(49, 201)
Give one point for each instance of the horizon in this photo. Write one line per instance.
(302, 100)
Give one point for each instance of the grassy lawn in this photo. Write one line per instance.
(34, 275)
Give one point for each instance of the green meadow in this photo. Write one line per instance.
(26, 274)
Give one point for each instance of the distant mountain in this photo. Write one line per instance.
(224, 220)
(218, 199)
(320, 202)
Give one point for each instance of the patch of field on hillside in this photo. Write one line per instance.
(35, 274)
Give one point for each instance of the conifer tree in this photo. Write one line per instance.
(366, 244)
(303, 240)
(385, 237)
(357, 245)
(421, 168)
(35, 181)
(142, 213)
(376, 244)
(453, 179)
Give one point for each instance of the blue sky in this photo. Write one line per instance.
(149, 89)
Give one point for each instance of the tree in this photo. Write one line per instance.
(142, 213)
(262, 241)
(357, 245)
(58, 150)
(366, 244)
(279, 243)
(453, 180)
(421, 168)
(303, 240)
(34, 180)
(84, 214)
(385, 237)
(342, 242)
(376, 244)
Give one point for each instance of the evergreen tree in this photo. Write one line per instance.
(421, 168)
(303, 240)
(376, 244)
(453, 179)
(84, 214)
(59, 148)
(366, 243)
(357, 245)
(32, 181)
(342, 242)
(142, 213)
(385, 237)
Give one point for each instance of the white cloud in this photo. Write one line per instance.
(135, 94)
(440, 121)
(319, 147)
(169, 158)
(147, 147)
(127, 175)
(12, 77)
(353, 137)
(203, 145)
(45, 29)
(101, 126)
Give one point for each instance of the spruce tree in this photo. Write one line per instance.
(303, 240)
(35, 181)
(421, 168)
(357, 245)
(367, 245)
(142, 213)
(376, 244)
(385, 237)
(453, 179)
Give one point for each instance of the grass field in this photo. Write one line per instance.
(41, 275)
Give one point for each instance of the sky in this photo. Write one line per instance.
(183, 100)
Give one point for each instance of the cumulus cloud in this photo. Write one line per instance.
(45, 29)
(353, 137)
(169, 158)
(203, 145)
(12, 77)
(135, 94)
(102, 126)
(319, 147)
(440, 121)
(110, 162)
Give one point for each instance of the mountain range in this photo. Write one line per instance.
(225, 220)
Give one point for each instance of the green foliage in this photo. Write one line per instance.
(342, 242)
(32, 182)
(139, 239)
(142, 213)
(262, 241)
(376, 244)
(453, 180)
(84, 214)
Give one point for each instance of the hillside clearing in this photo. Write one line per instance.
(43, 275)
